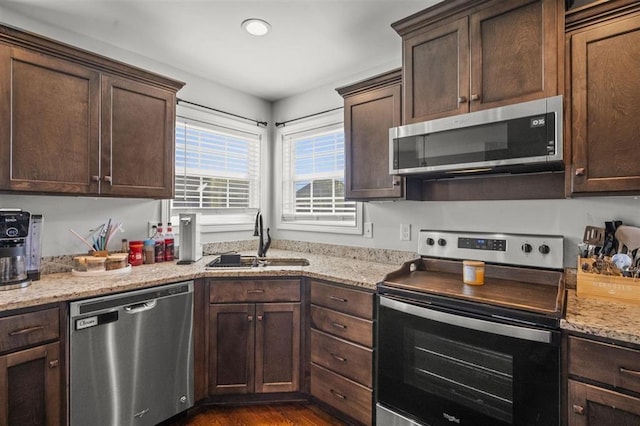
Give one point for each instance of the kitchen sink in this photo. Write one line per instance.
(238, 261)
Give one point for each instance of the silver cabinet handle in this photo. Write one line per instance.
(95, 178)
(634, 373)
(580, 171)
(462, 99)
(26, 330)
(475, 97)
(578, 409)
(108, 179)
(338, 325)
(338, 299)
(255, 291)
(339, 395)
(338, 358)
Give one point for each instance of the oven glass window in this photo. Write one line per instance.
(477, 378)
(439, 373)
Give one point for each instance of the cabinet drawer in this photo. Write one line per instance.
(254, 291)
(343, 394)
(340, 356)
(18, 331)
(602, 362)
(342, 325)
(354, 302)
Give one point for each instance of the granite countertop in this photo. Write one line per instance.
(598, 317)
(61, 287)
(603, 318)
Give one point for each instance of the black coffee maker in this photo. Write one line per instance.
(14, 231)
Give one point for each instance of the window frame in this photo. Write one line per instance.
(221, 219)
(320, 121)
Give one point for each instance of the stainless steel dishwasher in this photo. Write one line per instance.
(131, 356)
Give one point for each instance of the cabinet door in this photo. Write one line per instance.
(514, 53)
(593, 406)
(49, 124)
(277, 347)
(231, 348)
(30, 387)
(138, 140)
(368, 117)
(605, 108)
(436, 72)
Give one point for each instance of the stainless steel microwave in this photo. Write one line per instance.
(524, 137)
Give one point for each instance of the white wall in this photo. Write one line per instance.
(566, 217)
(83, 213)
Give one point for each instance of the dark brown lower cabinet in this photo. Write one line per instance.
(595, 406)
(254, 348)
(341, 339)
(30, 382)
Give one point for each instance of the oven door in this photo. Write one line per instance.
(438, 367)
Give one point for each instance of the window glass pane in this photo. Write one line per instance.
(314, 178)
(215, 170)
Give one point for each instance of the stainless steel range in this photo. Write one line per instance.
(454, 353)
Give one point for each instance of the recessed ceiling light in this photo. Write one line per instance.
(256, 27)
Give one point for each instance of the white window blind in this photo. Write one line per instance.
(313, 177)
(217, 168)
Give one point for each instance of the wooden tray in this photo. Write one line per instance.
(104, 273)
(607, 286)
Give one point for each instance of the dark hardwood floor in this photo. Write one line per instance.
(303, 414)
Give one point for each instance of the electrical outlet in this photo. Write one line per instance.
(368, 230)
(405, 232)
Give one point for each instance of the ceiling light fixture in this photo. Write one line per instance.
(256, 27)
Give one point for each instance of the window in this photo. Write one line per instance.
(313, 180)
(217, 171)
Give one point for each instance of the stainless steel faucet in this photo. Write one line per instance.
(258, 232)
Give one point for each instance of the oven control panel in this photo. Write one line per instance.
(543, 251)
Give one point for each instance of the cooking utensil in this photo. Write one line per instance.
(593, 237)
(629, 237)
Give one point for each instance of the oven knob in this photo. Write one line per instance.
(544, 249)
(442, 242)
(12, 232)
(526, 247)
(430, 241)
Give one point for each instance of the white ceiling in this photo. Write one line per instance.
(311, 43)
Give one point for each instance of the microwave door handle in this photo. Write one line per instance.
(507, 330)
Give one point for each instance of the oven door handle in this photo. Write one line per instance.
(525, 333)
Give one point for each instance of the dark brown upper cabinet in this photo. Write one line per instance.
(76, 123)
(604, 43)
(462, 56)
(371, 107)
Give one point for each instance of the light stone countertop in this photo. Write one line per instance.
(61, 287)
(603, 318)
(598, 317)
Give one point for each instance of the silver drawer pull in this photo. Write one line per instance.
(338, 325)
(338, 299)
(578, 409)
(338, 357)
(339, 395)
(634, 373)
(26, 330)
(255, 291)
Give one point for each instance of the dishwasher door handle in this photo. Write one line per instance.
(140, 307)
